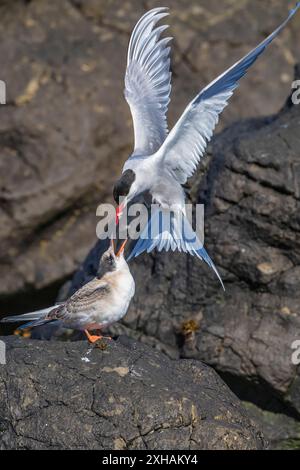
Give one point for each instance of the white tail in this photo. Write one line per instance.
(170, 230)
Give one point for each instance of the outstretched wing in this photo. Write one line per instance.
(185, 145)
(148, 82)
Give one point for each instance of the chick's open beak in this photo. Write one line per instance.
(122, 247)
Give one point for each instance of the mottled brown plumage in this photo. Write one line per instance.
(99, 303)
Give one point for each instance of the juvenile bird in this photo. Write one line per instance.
(99, 303)
(161, 163)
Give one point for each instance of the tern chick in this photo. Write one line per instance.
(99, 303)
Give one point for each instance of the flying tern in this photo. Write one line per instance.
(162, 162)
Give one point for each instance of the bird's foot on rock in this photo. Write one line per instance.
(92, 338)
(95, 338)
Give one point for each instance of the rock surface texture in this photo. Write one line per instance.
(122, 395)
(64, 134)
(66, 128)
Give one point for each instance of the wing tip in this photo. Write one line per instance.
(293, 10)
(154, 12)
(161, 9)
(5, 320)
(150, 18)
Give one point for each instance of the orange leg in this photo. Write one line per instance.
(92, 338)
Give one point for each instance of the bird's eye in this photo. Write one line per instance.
(110, 259)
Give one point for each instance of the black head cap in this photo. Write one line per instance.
(123, 185)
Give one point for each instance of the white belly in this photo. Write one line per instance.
(116, 305)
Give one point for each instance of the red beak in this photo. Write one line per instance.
(119, 211)
(118, 214)
(122, 248)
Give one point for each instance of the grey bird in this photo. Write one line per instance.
(161, 163)
(99, 303)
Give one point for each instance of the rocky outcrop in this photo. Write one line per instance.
(119, 395)
(66, 128)
(250, 189)
(281, 431)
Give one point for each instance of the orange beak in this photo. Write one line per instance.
(121, 250)
(112, 244)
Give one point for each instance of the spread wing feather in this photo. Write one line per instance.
(186, 144)
(148, 82)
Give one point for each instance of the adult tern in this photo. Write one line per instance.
(161, 163)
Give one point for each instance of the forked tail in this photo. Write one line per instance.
(170, 230)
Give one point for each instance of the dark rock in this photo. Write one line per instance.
(280, 431)
(67, 129)
(251, 193)
(122, 395)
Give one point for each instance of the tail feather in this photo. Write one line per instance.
(32, 319)
(171, 231)
(34, 323)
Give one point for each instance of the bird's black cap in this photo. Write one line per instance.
(123, 185)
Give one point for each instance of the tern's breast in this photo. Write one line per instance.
(116, 304)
